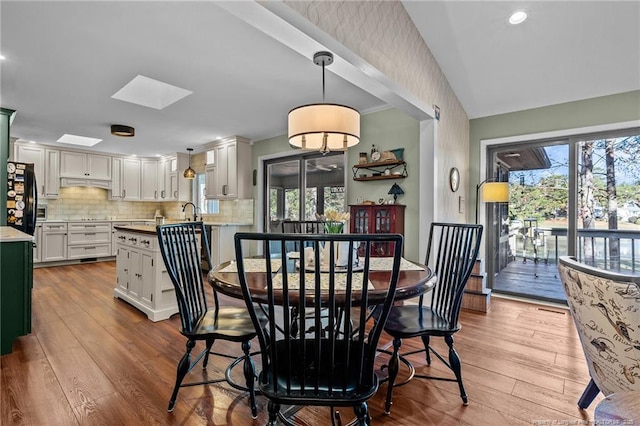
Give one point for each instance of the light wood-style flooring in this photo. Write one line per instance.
(94, 360)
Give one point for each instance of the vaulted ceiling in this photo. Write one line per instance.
(64, 61)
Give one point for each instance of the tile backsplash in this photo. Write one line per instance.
(75, 203)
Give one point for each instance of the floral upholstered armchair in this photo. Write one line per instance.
(606, 310)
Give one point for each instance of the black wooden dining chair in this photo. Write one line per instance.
(302, 227)
(180, 245)
(451, 252)
(330, 363)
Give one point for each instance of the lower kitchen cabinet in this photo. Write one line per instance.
(141, 277)
(88, 240)
(222, 243)
(54, 242)
(37, 241)
(16, 282)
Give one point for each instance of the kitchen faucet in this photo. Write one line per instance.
(195, 212)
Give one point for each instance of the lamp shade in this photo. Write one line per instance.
(495, 192)
(395, 190)
(310, 124)
(189, 173)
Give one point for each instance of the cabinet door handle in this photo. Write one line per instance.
(155, 194)
(175, 194)
(162, 193)
(90, 248)
(124, 193)
(224, 189)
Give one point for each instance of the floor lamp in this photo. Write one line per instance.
(492, 192)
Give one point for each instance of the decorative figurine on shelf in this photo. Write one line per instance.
(395, 191)
(363, 158)
(375, 154)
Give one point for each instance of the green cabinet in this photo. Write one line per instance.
(16, 282)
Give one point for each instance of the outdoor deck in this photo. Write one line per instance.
(530, 279)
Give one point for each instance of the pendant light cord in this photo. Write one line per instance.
(323, 81)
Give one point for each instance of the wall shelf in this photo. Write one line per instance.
(380, 167)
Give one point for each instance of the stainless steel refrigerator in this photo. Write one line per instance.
(22, 197)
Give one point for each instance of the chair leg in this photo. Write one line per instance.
(454, 361)
(206, 355)
(589, 394)
(183, 369)
(362, 413)
(393, 373)
(425, 341)
(249, 375)
(273, 409)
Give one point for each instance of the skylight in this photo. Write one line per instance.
(151, 93)
(78, 140)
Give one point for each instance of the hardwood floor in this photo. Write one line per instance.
(92, 359)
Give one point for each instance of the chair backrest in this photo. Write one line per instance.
(302, 227)
(606, 310)
(451, 253)
(181, 245)
(316, 346)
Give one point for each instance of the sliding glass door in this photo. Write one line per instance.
(299, 187)
(578, 196)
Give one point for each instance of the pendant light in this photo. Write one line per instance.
(324, 127)
(189, 173)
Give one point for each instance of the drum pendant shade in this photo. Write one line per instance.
(324, 127)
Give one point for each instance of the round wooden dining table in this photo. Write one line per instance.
(411, 283)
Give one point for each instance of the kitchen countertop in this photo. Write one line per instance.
(10, 234)
(151, 229)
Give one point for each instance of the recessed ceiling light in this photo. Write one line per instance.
(518, 17)
(2, 57)
(78, 140)
(151, 93)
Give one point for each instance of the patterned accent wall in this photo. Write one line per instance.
(382, 33)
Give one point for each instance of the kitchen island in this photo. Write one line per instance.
(16, 282)
(141, 277)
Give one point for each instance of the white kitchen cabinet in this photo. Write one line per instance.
(33, 153)
(162, 180)
(149, 184)
(131, 179)
(88, 240)
(54, 241)
(222, 243)
(123, 262)
(125, 184)
(82, 165)
(178, 188)
(228, 169)
(37, 241)
(141, 276)
(52, 173)
(46, 163)
(114, 241)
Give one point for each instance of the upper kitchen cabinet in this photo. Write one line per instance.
(84, 169)
(149, 187)
(125, 184)
(176, 186)
(46, 163)
(228, 169)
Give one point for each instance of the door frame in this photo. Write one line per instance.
(571, 136)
